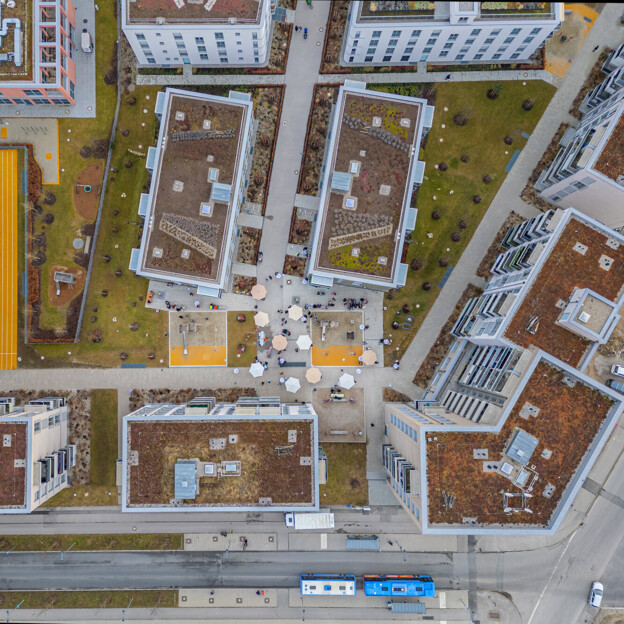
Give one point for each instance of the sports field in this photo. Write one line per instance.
(8, 259)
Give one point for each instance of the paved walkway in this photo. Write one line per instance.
(607, 33)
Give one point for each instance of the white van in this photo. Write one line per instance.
(595, 595)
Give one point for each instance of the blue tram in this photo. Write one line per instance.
(408, 585)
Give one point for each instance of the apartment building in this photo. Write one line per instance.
(37, 52)
(199, 168)
(35, 456)
(370, 172)
(198, 32)
(381, 32)
(512, 421)
(257, 454)
(588, 171)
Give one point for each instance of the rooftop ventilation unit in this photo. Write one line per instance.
(584, 317)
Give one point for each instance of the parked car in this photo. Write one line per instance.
(617, 369)
(595, 595)
(618, 386)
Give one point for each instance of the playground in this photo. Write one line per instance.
(87, 189)
(61, 290)
(197, 338)
(341, 417)
(337, 338)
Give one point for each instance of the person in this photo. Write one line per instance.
(447, 77)
(595, 48)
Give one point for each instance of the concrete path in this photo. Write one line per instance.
(606, 33)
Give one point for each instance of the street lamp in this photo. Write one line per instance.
(227, 550)
(402, 550)
(67, 550)
(123, 611)
(19, 604)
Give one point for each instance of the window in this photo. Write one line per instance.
(463, 20)
(374, 42)
(390, 51)
(396, 33)
(483, 49)
(469, 41)
(387, 58)
(444, 53)
(405, 58)
(528, 40)
(453, 37)
(254, 36)
(497, 56)
(393, 42)
(38, 423)
(353, 50)
(368, 59)
(409, 50)
(436, 33)
(427, 50)
(351, 59)
(463, 50)
(219, 36)
(220, 44)
(478, 57)
(489, 41)
(416, 33)
(515, 56)
(201, 49)
(203, 57)
(358, 34)
(376, 34)
(460, 57)
(177, 37)
(536, 31)
(355, 42)
(431, 42)
(475, 32)
(515, 31)
(140, 37)
(151, 60)
(199, 40)
(495, 32)
(508, 40)
(448, 46)
(370, 51)
(223, 59)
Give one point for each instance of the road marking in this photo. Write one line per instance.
(563, 552)
(442, 600)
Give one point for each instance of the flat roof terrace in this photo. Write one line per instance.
(368, 185)
(610, 161)
(16, 47)
(193, 11)
(274, 457)
(13, 464)
(582, 256)
(193, 187)
(564, 417)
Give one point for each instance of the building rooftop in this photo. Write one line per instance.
(13, 464)
(563, 415)
(193, 11)
(241, 461)
(194, 183)
(582, 257)
(369, 185)
(16, 47)
(610, 161)
(408, 10)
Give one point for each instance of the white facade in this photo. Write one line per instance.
(41, 428)
(207, 42)
(573, 180)
(454, 32)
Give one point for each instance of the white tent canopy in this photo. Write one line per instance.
(256, 369)
(261, 319)
(295, 313)
(304, 342)
(292, 384)
(346, 381)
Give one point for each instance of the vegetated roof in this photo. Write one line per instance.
(567, 422)
(393, 8)
(12, 478)
(188, 229)
(270, 463)
(373, 156)
(563, 270)
(192, 11)
(9, 71)
(610, 162)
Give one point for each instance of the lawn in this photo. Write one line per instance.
(123, 541)
(108, 319)
(450, 193)
(241, 333)
(346, 481)
(73, 135)
(104, 447)
(96, 599)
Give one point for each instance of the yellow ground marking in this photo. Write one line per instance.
(198, 356)
(337, 355)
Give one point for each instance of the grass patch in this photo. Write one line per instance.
(241, 333)
(96, 599)
(122, 541)
(104, 446)
(346, 481)
(481, 139)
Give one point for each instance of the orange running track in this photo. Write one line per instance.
(8, 259)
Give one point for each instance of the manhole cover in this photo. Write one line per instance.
(494, 615)
(78, 243)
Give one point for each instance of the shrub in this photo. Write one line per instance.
(426, 286)
(416, 264)
(455, 237)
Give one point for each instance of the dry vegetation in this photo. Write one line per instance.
(495, 248)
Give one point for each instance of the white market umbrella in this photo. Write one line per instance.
(346, 381)
(295, 313)
(258, 291)
(292, 384)
(369, 357)
(261, 319)
(279, 342)
(304, 342)
(256, 369)
(313, 375)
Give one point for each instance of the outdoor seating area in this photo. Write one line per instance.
(198, 339)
